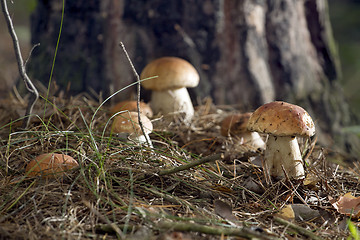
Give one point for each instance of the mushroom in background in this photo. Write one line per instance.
(169, 93)
(283, 122)
(131, 106)
(236, 125)
(50, 165)
(128, 123)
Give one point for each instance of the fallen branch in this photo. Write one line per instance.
(109, 228)
(242, 232)
(192, 164)
(170, 198)
(28, 83)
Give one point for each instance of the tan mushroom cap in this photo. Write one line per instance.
(50, 165)
(131, 106)
(128, 122)
(172, 73)
(282, 119)
(235, 124)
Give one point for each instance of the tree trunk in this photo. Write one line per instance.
(247, 52)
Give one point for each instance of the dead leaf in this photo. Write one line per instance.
(298, 212)
(310, 181)
(347, 204)
(224, 210)
(221, 188)
(286, 213)
(253, 186)
(304, 212)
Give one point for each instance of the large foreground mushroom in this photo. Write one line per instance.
(169, 93)
(283, 122)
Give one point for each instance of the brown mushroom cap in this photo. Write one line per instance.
(128, 122)
(172, 73)
(50, 165)
(131, 106)
(282, 119)
(235, 124)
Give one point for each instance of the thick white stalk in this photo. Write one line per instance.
(141, 139)
(283, 154)
(175, 101)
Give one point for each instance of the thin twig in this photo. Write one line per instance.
(294, 191)
(103, 218)
(138, 93)
(28, 83)
(169, 197)
(31, 51)
(192, 164)
(311, 149)
(26, 61)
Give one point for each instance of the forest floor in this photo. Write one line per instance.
(125, 191)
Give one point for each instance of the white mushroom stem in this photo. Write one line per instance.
(253, 139)
(134, 138)
(172, 101)
(283, 154)
(141, 139)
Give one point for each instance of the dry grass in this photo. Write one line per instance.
(117, 192)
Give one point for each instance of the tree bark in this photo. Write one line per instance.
(247, 52)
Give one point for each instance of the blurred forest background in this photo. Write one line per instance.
(344, 19)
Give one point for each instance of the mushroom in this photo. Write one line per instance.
(50, 165)
(128, 123)
(131, 106)
(283, 122)
(169, 93)
(236, 125)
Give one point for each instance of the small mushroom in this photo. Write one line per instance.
(50, 165)
(128, 123)
(131, 106)
(236, 125)
(169, 93)
(283, 122)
